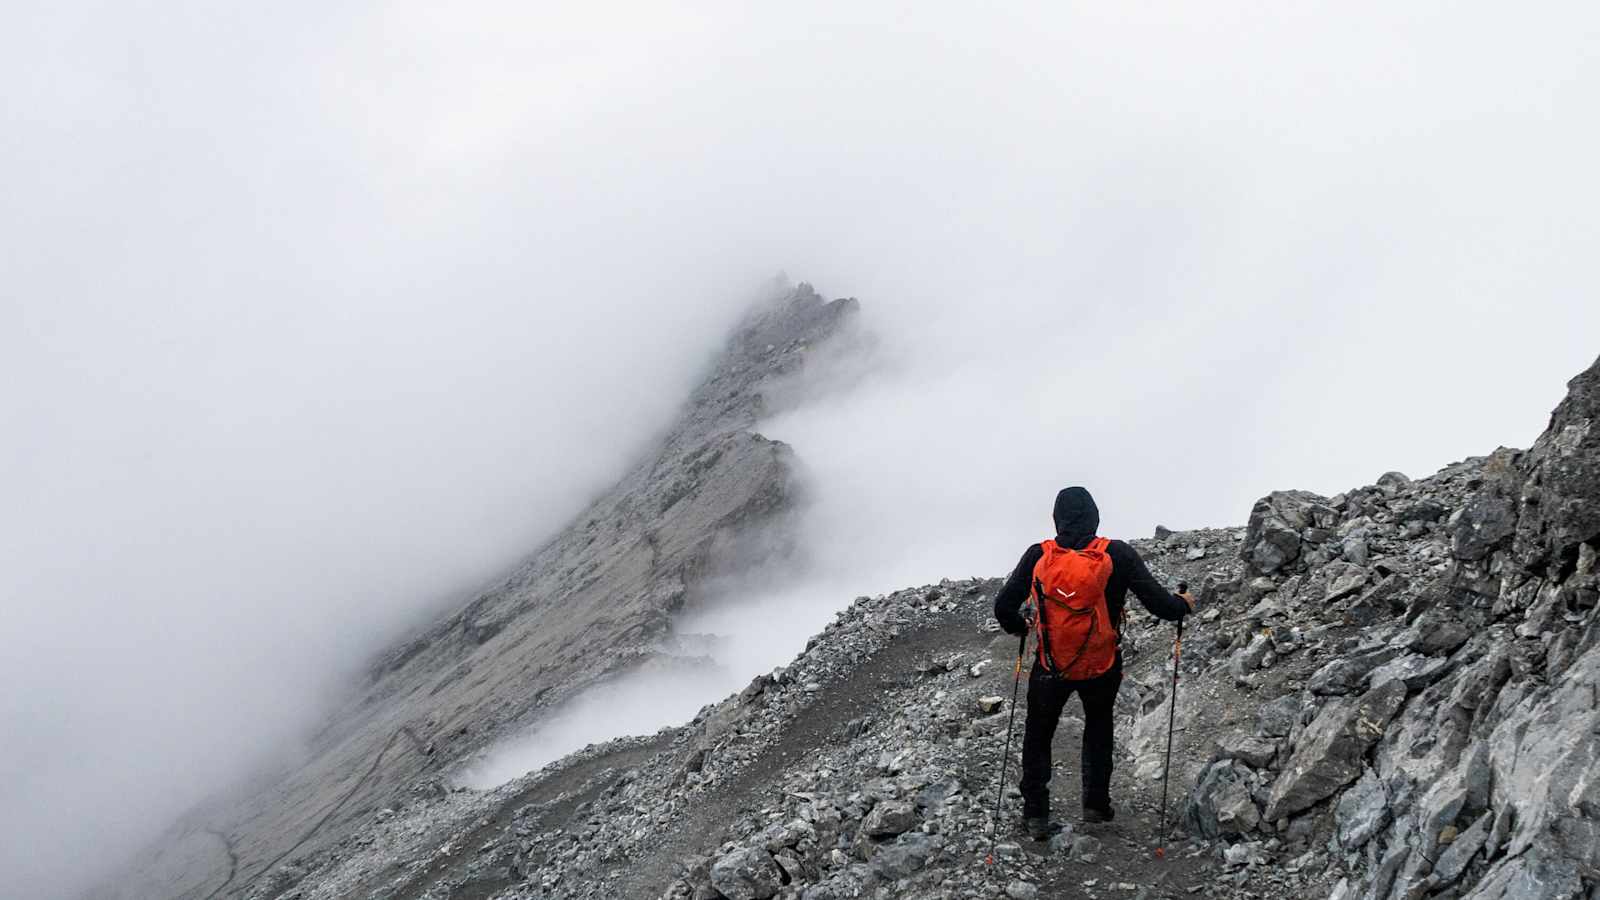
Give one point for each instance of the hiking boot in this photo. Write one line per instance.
(1042, 829)
(1097, 815)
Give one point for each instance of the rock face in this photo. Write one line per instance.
(1330, 752)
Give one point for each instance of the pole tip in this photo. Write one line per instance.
(1161, 853)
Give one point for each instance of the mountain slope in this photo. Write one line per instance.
(1389, 693)
(592, 602)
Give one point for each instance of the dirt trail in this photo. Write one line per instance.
(863, 693)
(879, 685)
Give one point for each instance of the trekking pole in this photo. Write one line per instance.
(1000, 792)
(1172, 718)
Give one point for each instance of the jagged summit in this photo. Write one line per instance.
(1388, 693)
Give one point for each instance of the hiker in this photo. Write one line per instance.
(1079, 582)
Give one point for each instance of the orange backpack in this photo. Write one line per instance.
(1077, 639)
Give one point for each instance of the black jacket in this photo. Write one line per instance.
(1077, 518)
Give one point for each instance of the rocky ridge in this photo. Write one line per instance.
(643, 551)
(1389, 693)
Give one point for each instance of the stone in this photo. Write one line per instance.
(1392, 483)
(1277, 718)
(1362, 811)
(1272, 535)
(1220, 804)
(1195, 553)
(889, 818)
(1061, 841)
(1346, 674)
(1085, 847)
(1487, 521)
(1329, 754)
(1382, 601)
(746, 873)
(907, 855)
(1458, 855)
(1535, 875)
(1255, 752)
(1248, 658)
(1355, 548)
(1345, 583)
(1435, 634)
(1421, 511)
(991, 704)
(1413, 670)
(1021, 890)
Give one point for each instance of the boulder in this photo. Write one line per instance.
(1272, 536)
(746, 873)
(1436, 633)
(1413, 670)
(903, 858)
(1277, 718)
(889, 818)
(1255, 752)
(1220, 804)
(1486, 522)
(1362, 811)
(1346, 674)
(1330, 753)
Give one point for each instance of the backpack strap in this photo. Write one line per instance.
(1099, 544)
(1042, 642)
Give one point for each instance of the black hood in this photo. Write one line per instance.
(1077, 518)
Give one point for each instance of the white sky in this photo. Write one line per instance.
(315, 314)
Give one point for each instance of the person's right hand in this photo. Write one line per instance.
(1189, 599)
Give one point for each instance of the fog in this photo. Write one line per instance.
(314, 318)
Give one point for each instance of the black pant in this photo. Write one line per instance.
(1046, 696)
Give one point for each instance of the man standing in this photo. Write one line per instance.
(1078, 584)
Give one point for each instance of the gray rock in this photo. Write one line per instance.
(1346, 582)
(1435, 634)
(1085, 847)
(1061, 841)
(1362, 811)
(1220, 804)
(903, 858)
(1487, 521)
(1421, 511)
(889, 818)
(1272, 536)
(746, 873)
(1355, 549)
(1249, 658)
(1413, 670)
(1277, 718)
(1535, 875)
(1330, 753)
(1346, 674)
(1392, 483)
(1456, 857)
(1563, 467)
(1021, 890)
(1382, 601)
(1255, 752)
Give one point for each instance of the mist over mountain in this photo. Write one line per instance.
(318, 321)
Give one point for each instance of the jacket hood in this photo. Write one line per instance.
(1077, 518)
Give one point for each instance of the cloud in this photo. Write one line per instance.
(313, 317)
